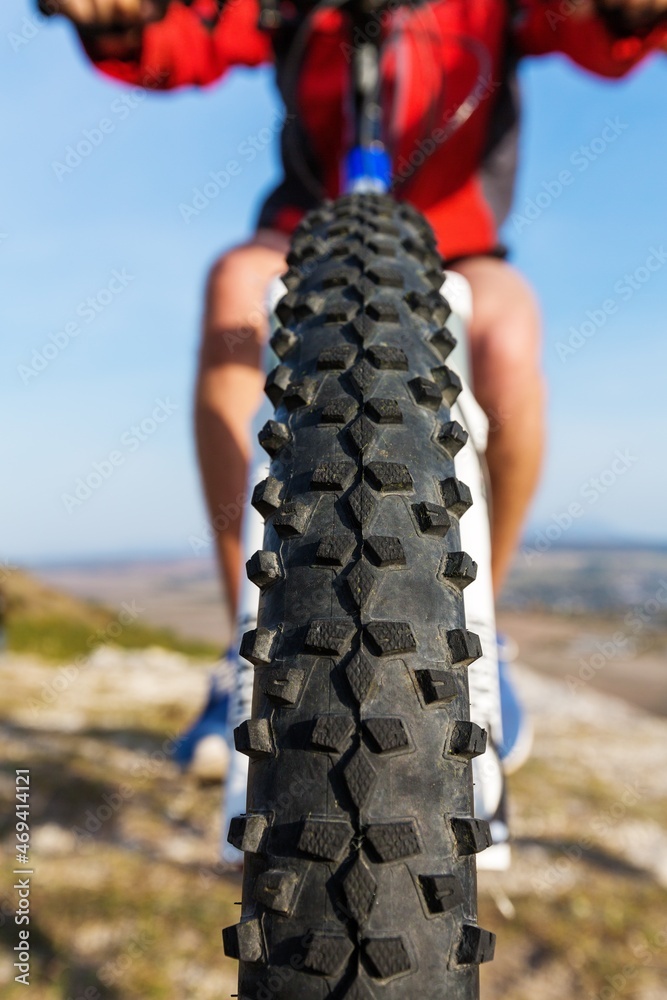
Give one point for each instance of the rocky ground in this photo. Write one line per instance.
(128, 899)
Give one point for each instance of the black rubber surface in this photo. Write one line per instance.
(359, 875)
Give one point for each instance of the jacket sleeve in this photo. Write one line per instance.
(180, 50)
(545, 26)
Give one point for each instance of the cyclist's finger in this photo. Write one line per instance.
(153, 10)
(582, 9)
(125, 11)
(80, 11)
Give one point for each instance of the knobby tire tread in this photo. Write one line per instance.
(359, 878)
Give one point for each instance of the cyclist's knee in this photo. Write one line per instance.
(235, 315)
(505, 337)
(505, 331)
(239, 278)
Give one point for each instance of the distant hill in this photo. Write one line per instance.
(41, 619)
(591, 578)
(182, 594)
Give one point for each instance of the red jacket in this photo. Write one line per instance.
(464, 184)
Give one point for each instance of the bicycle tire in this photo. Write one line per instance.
(359, 840)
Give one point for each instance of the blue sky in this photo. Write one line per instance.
(100, 261)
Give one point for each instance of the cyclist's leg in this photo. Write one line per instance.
(505, 342)
(229, 387)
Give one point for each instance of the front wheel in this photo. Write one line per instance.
(359, 836)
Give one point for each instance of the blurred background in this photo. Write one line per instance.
(111, 605)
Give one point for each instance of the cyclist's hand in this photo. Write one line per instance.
(634, 15)
(101, 14)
